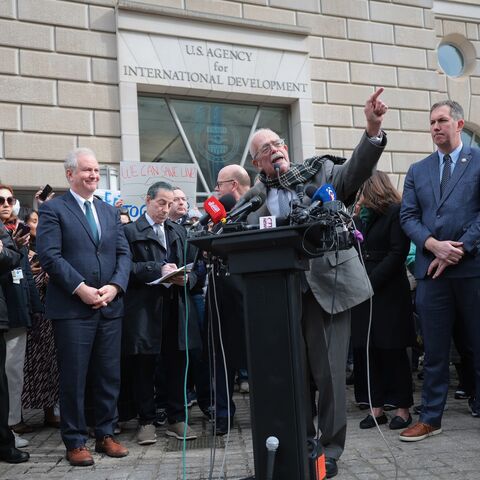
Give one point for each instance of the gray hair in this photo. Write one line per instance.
(456, 110)
(258, 132)
(154, 188)
(71, 162)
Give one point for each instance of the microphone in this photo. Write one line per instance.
(326, 193)
(272, 446)
(299, 191)
(228, 201)
(254, 204)
(214, 211)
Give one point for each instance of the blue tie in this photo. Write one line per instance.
(91, 221)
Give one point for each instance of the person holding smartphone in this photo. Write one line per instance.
(22, 298)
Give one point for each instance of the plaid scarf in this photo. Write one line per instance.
(299, 173)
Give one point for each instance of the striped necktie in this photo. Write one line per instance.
(161, 235)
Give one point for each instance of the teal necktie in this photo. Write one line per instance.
(91, 221)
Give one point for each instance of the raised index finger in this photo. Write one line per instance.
(376, 94)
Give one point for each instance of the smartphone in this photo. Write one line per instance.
(47, 190)
(22, 229)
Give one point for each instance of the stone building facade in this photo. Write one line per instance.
(81, 73)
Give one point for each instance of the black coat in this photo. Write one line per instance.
(9, 259)
(146, 306)
(22, 298)
(385, 248)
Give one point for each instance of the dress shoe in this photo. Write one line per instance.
(13, 455)
(331, 467)
(110, 447)
(369, 422)
(397, 422)
(221, 426)
(79, 457)
(419, 431)
(22, 428)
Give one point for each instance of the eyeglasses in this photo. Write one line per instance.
(267, 147)
(9, 200)
(217, 185)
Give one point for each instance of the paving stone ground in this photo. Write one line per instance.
(454, 454)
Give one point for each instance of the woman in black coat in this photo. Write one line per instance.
(384, 250)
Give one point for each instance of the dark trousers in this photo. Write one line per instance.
(441, 303)
(6, 437)
(93, 341)
(166, 374)
(224, 396)
(390, 377)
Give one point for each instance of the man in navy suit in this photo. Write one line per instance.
(440, 213)
(82, 247)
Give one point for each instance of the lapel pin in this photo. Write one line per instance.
(463, 160)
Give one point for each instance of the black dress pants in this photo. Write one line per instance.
(390, 377)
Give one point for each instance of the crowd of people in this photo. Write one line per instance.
(104, 320)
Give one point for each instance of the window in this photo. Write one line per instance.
(457, 55)
(470, 138)
(210, 134)
(451, 60)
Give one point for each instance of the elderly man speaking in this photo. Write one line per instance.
(326, 324)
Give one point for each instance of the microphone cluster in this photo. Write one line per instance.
(331, 227)
(220, 214)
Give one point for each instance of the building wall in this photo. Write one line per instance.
(59, 80)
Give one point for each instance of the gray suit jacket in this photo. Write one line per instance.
(338, 283)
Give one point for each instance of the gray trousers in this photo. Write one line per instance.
(326, 341)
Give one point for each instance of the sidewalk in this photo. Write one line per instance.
(452, 454)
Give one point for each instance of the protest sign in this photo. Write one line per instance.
(108, 196)
(136, 177)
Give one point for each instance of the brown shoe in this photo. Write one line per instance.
(79, 457)
(22, 428)
(109, 446)
(419, 431)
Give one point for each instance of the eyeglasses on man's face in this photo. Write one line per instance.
(9, 200)
(218, 184)
(267, 147)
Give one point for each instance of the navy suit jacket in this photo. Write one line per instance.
(68, 253)
(453, 216)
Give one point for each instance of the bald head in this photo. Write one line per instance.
(232, 179)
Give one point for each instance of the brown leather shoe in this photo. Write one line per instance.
(79, 457)
(419, 431)
(22, 428)
(109, 446)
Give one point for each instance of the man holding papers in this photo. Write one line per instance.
(154, 320)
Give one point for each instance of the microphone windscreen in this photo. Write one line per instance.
(257, 201)
(228, 201)
(325, 193)
(215, 209)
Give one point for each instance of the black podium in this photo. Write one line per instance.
(270, 262)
